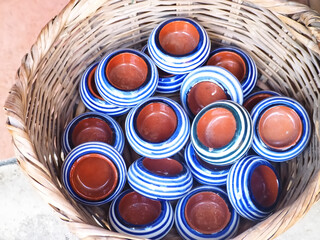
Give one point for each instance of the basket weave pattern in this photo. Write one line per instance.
(282, 37)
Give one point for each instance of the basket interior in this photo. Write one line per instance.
(284, 64)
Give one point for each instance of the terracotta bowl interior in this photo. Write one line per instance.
(127, 71)
(216, 128)
(179, 38)
(93, 177)
(207, 213)
(210, 166)
(264, 186)
(230, 61)
(139, 210)
(202, 94)
(163, 167)
(280, 127)
(92, 84)
(156, 122)
(90, 130)
(250, 103)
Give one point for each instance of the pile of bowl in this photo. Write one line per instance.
(218, 133)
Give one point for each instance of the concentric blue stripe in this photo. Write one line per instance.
(202, 174)
(217, 75)
(118, 136)
(163, 149)
(237, 147)
(238, 187)
(157, 186)
(155, 230)
(96, 104)
(272, 93)
(275, 155)
(99, 148)
(186, 232)
(179, 64)
(122, 98)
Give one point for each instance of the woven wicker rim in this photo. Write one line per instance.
(285, 47)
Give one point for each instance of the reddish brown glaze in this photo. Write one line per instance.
(202, 94)
(179, 37)
(163, 167)
(92, 84)
(230, 61)
(264, 186)
(90, 130)
(211, 166)
(254, 100)
(280, 127)
(139, 210)
(127, 71)
(216, 128)
(207, 212)
(93, 177)
(156, 122)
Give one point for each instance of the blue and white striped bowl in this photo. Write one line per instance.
(165, 148)
(280, 155)
(125, 98)
(214, 74)
(202, 172)
(240, 192)
(168, 83)
(185, 230)
(249, 102)
(250, 78)
(118, 136)
(159, 186)
(97, 148)
(239, 144)
(92, 102)
(179, 64)
(155, 230)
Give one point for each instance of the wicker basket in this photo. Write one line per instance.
(282, 37)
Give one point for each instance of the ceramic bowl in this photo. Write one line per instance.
(91, 97)
(206, 85)
(126, 77)
(161, 179)
(168, 83)
(92, 127)
(253, 187)
(222, 133)
(204, 172)
(253, 99)
(179, 45)
(157, 128)
(94, 173)
(136, 215)
(206, 213)
(282, 128)
(239, 63)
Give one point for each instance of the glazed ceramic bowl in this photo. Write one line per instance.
(204, 172)
(157, 128)
(91, 97)
(126, 77)
(179, 45)
(206, 85)
(137, 215)
(253, 187)
(168, 83)
(282, 128)
(239, 63)
(206, 213)
(164, 179)
(92, 127)
(222, 133)
(253, 99)
(94, 173)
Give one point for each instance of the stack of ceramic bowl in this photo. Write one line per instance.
(229, 119)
